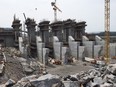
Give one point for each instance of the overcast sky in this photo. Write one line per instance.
(91, 11)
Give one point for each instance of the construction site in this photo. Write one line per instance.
(57, 54)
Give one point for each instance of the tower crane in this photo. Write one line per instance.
(55, 8)
(107, 29)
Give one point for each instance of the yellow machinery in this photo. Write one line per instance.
(107, 30)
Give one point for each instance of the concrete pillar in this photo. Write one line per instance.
(65, 55)
(68, 29)
(100, 41)
(89, 48)
(31, 36)
(73, 46)
(82, 53)
(57, 47)
(57, 28)
(45, 56)
(79, 30)
(21, 47)
(31, 30)
(44, 31)
(112, 50)
(16, 26)
(98, 49)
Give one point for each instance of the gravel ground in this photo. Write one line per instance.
(69, 69)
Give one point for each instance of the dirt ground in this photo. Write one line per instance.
(69, 69)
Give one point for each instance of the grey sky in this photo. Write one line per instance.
(91, 11)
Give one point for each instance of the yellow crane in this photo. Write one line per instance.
(107, 30)
(55, 8)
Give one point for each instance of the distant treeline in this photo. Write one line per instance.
(103, 33)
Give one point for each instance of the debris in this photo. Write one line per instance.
(10, 83)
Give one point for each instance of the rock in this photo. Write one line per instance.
(110, 78)
(10, 82)
(2, 85)
(71, 83)
(112, 68)
(98, 80)
(47, 80)
(25, 81)
(106, 85)
(28, 78)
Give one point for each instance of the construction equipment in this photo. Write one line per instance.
(55, 8)
(107, 29)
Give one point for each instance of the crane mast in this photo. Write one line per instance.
(55, 8)
(107, 29)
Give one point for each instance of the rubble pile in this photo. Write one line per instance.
(12, 51)
(98, 77)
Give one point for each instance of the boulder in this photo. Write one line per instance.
(47, 80)
(10, 82)
(112, 68)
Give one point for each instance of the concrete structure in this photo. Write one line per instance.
(98, 51)
(65, 55)
(89, 47)
(74, 47)
(57, 48)
(57, 28)
(7, 37)
(61, 39)
(40, 47)
(45, 56)
(112, 50)
(82, 53)
(17, 31)
(31, 36)
(79, 30)
(44, 31)
(21, 46)
(68, 29)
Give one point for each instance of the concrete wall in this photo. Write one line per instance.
(89, 48)
(73, 46)
(57, 47)
(98, 51)
(112, 49)
(65, 55)
(82, 53)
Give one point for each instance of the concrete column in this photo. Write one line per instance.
(73, 46)
(79, 30)
(31, 30)
(57, 28)
(44, 31)
(16, 26)
(98, 49)
(68, 29)
(21, 47)
(57, 47)
(30, 23)
(65, 55)
(112, 50)
(82, 53)
(45, 56)
(89, 48)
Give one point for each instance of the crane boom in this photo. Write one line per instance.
(55, 8)
(107, 29)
